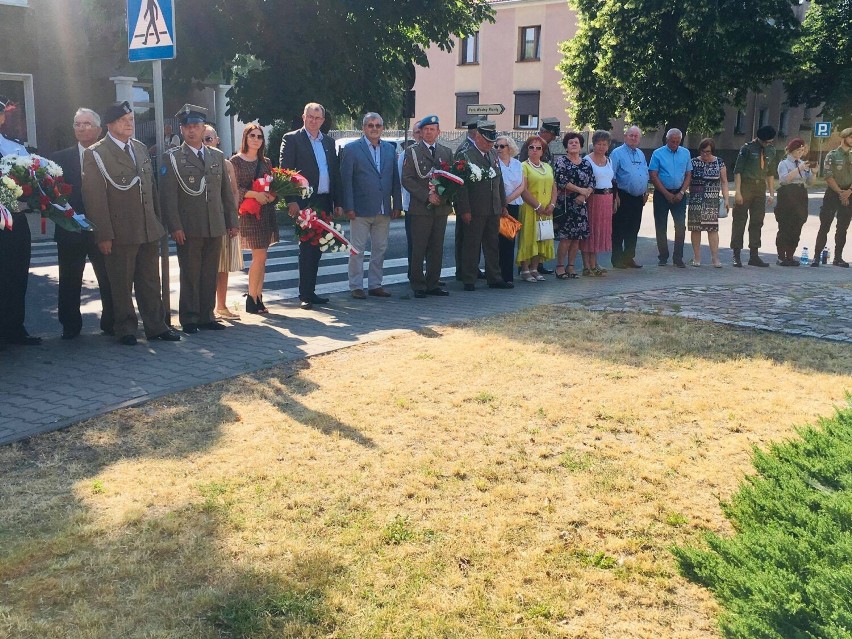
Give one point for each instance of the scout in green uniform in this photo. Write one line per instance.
(198, 208)
(838, 180)
(753, 172)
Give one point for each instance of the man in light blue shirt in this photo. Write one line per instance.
(671, 173)
(631, 183)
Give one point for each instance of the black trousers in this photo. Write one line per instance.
(751, 212)
(832, 206)
(15, 251)
(72, 263)
(791, 213)
(507, 249)
(309, 255)
(625, 227)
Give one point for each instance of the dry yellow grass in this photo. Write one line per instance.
(521, 477)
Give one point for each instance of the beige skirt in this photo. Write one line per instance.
(231, 256)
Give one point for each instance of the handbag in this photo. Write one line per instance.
(544, 230)
(723, 208)
(509, 227)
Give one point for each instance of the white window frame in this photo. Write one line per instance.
(527, 122)
(16, 3)
(29, 102)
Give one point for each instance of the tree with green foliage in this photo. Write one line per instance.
(787, 571)
(350, 55)
(822, 72)
(672, 62)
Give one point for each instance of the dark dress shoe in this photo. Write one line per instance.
(359, 294)
(190, 329)
(127, 340)
(316, 299)
(756, 261)
(437, 292)
(69, 334)
(501, 285)
(251, 305)
(167, 336)
(632, 264)
(420, 294)
(108, 331)
(679, 264)
(815, 263)
(480, 275)
(839, 263)
(470, 287)
(441, 283)
(378, 292)
(544, 270)
(212, 326)
(305, 305)
(618, 265)
(24, 340)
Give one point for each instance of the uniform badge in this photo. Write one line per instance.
(124, 180)
(163, 171)
(191, 179)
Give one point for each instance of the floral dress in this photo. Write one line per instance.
(571, 219)
(704, 189)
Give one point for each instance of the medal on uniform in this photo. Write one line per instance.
(191, 179)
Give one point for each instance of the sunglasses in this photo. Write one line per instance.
(209, 138)
(373, 125)
(501, 146)
(535, 148)
(257, 136)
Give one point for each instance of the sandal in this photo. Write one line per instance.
(587, 272)
(538, 276)
(598, 271)
(527, 276)
(572, 275)
(559, 275)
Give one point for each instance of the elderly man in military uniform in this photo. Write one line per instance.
(198, 208)
(428, 210)
(836, 201)
(548, 132)
(120, 194)
(479, 206)
(753, 172)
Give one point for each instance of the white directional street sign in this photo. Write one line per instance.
(822, 129)
(150, 30)
(485, 109)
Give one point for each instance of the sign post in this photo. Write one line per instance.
(821, 130)
(485, 109)
(151, 36)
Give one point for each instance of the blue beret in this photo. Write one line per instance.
(429, 119)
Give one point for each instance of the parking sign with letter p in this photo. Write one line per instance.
(822, 129)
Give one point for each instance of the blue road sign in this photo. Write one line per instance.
(150, 30)
(822, 129)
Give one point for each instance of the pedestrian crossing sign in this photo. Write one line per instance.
(150, 30)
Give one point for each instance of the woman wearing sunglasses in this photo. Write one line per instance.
(539, 201)
(257, 234)
(514, 184)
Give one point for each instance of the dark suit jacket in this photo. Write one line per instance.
(365, 190)
(297, 153)
(486, 197)
(69, 160)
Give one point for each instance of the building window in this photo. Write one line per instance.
(20, 122)
(462, 102)
(763, 117)
(526, 109)
(16, 3)
(784, 123)
(738, 127)
(530, 44)
(469, 49)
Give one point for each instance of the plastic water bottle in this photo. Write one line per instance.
(804, 260)
(826, 255)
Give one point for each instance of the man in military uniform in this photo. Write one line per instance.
(753, 172)
(15, 252)
(428, 210)
(479, 206)
(548, 132)
(836, 201)
(120, 194)
(460, 228)
(198, 208)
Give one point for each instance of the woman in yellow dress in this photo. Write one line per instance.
(539, 202)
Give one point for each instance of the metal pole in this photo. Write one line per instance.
(160, 138)
(819, 161)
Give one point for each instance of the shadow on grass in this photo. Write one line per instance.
(654, 340)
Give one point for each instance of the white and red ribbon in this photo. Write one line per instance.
(308, 218)
(5, 219)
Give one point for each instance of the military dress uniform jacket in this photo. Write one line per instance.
(486, 197)
(416, 169)
(748, 162)
(210, 213)
(123, 215)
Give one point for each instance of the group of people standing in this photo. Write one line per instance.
(588, 204)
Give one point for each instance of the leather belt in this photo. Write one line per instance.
(603, 191)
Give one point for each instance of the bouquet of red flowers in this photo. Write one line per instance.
(290, 182)
(319, 229)
(249, 205)
(43, 189)
(447, 180)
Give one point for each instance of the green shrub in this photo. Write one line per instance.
(787, 571)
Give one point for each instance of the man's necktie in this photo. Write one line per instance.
(201, 156)
(129, 154)
(432, 151)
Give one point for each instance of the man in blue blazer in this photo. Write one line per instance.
(313, 154)
(73, 248)
(369, 175)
